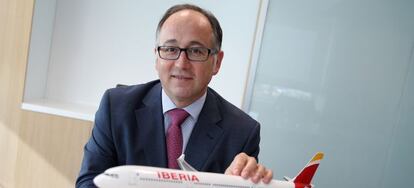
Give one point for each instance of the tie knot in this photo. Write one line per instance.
(177, 116)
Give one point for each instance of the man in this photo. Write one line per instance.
(135, 124)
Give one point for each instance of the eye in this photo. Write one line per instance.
(198, 51)
(169, 49)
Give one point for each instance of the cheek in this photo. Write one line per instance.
(161, 67)
(157, 65)
(206, 71)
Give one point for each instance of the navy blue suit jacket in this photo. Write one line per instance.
(129, 130)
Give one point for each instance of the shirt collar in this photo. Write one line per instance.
(193, 109)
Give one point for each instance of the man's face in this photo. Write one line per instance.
(183, 80)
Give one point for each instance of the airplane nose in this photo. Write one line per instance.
(103, 180)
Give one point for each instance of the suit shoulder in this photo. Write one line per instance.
(231, 112)
(130, 95)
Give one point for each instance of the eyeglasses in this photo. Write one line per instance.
(192, 53)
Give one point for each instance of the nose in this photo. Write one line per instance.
(182, 60)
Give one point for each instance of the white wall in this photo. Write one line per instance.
(97, 44)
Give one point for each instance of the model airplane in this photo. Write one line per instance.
(152, 177)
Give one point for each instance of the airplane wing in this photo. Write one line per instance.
(184, 165)
(287, 178)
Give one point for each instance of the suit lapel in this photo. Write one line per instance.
(205, 134)
(150, 122)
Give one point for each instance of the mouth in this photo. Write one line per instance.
(180, 77)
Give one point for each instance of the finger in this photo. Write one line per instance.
(260, 172)
(237, 165)
(268, 176)
(228, 171)
(249, 168)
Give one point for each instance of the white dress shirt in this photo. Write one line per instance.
(187, 126)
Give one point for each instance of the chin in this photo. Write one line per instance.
(182, 95)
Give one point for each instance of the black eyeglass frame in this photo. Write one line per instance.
(209, 52)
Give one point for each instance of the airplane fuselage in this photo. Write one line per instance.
(152, 177)
(142, 176)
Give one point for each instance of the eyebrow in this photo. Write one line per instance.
(172, 41)
(175, 42)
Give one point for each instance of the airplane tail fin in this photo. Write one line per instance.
(305, 176)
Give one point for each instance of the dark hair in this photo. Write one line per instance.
(215, 25)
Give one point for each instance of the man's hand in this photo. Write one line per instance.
(247, 167)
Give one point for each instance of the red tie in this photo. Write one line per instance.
(174, 136)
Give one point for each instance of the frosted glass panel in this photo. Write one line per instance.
(337, 76)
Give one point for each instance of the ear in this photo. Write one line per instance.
(217, 63)
(156, 59)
